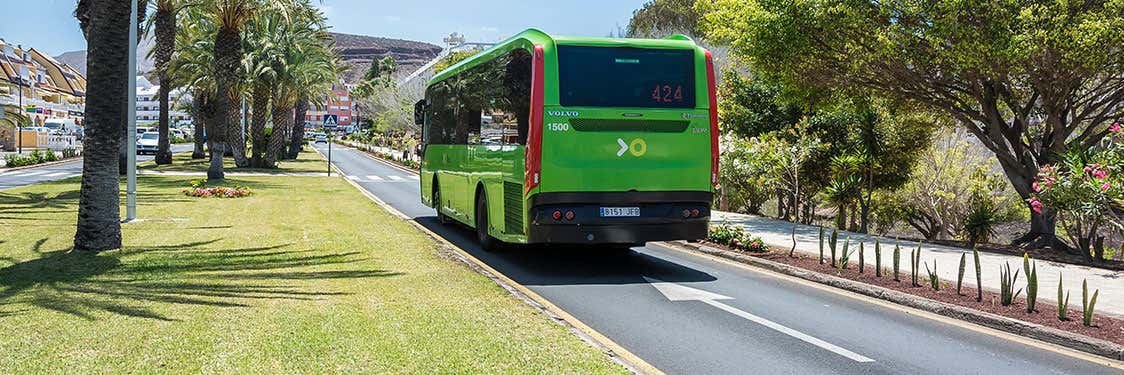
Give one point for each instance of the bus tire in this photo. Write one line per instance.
(441, 217)
(487, 242)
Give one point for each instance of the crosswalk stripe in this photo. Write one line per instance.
(374, 178)
(56, 174)
(353, 178)
(28, 174)
(414, 177)
(396, 178)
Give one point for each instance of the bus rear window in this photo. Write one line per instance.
(626, 77)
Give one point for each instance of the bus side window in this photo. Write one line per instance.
(517, 87)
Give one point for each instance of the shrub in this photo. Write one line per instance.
(735, 237)
(1007, 284)
(1085, 190)
(69, 153)
(982, 218)
(1087, 305)
(50, 156)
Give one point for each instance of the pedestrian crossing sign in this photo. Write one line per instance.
(330, 120)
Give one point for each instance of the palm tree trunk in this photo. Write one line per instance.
(228, 55)
(260, 114)
(297, 138)
(99, 215)
(200, 112)
(165, 45)
(282, 121)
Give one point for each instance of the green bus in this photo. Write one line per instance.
(554, 139)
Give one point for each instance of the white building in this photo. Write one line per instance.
(148, 104)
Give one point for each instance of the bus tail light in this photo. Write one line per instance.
(557, 215)
(533, 164)
(712, 88)
(570, 215)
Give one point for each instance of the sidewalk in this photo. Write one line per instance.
(1111, 283)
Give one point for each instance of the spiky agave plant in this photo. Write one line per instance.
(845, 256)
(934, 280)
(979, 275)
(834, 242)
(960, 273)
(862, 261)
(1087, 305)
(1031, 272)
(1063, 304)
(897, 262)
(821, 245)
(877, 259)
(1007, 280)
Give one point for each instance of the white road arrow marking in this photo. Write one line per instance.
(624, 147)
(675, 293)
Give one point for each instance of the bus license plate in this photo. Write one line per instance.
(620, 211)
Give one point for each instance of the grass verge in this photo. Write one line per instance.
(304, 276)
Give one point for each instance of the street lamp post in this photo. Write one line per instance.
(131, 140)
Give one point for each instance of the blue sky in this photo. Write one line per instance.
(49, 25)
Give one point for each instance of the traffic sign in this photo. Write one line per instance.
(331, 119)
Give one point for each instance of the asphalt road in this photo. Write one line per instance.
(728, 319)
(32, 176)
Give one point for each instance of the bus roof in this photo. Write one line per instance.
(534, 36)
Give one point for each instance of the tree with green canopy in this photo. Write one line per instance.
(1029, 80)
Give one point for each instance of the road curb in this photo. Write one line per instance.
(1050, 335)
(614, 351)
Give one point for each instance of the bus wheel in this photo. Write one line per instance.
(487, 242)
(441, 218)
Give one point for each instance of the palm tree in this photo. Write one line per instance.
(192, 67)
(164, 18)
(106, 27)
(296, 139)
(304, 66)
(230, 17)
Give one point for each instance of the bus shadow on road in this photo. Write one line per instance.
(568, 264)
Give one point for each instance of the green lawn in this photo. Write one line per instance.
(307, 161)
(284, 281)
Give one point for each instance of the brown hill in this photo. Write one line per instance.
(359, 50)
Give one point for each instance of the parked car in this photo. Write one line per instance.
(148, 143)
(144, 130)
(321, 138)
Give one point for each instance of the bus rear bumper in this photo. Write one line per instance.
(663, 216)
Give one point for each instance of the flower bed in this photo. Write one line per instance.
(199, 189)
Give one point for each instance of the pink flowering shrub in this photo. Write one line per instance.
(735, 237)
(1086, 190)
